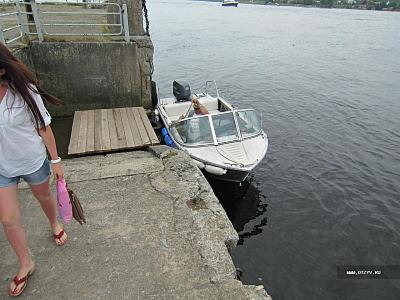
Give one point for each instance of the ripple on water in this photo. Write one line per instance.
(328, 191)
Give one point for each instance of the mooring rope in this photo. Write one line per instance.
(146, 17)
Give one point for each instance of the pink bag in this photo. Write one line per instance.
(63, 201)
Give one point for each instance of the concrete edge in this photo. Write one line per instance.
(223, 231)
(106, 166)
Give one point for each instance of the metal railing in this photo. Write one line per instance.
(53, 19)
(13, 30)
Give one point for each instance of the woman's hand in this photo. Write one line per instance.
(50, 142)
(58, 170)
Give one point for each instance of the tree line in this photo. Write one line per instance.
(360, 4)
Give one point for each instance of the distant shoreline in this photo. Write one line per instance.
(325, 4)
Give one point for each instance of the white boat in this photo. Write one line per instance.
(229, 142)
(230, 3)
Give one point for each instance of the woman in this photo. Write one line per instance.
(24, 136)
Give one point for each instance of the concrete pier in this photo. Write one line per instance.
(155, 230)
(89, 69)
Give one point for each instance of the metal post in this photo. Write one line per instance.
(19, 17)
(125, 22)
(38, 22)
(212, 130)
(216, 88)
(29, 17)
(2, 39)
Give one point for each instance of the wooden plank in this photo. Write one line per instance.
(120, 128)
(73, 141)
(134, 128)
(149, 129)
(142, 131)
(130, 142)
(82, 133)
(105, 133)
(112, 129)
(97, 130)
(90, 131)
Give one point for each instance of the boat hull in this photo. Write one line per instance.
(222, 172)
(230, 4)
(230, 175)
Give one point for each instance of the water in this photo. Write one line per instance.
(327, 82)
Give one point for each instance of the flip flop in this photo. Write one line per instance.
(18, 281)
(58, 237)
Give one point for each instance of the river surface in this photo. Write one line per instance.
(328, 84)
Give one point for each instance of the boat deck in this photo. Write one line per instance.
(109, 130)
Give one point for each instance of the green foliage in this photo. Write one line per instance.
(6, 6)
(105, 29)
(82, 38)
(326, 3)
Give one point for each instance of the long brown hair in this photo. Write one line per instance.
(21, 80)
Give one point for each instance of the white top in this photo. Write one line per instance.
(22, 150)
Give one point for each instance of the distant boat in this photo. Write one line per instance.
(230, 3)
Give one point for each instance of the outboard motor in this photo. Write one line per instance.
(181, 90)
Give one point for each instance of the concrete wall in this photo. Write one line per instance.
(95, 74)
(89, 75)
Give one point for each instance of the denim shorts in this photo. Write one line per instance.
(35, 178)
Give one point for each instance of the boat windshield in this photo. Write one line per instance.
(193, 131)
(249, 123)
(197, 130)
(225, 127)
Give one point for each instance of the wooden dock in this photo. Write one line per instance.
(108, 130)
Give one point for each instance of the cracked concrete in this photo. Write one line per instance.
(154, 230)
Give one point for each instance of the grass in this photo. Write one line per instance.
(105, 29)
(85, 38)
(170, 154)
(6, 7)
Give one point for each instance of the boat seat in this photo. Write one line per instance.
(174, 110)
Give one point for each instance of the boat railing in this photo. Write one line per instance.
(215, 87)
(200, 116)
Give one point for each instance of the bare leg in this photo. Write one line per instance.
(10, 217)
(46, 199)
